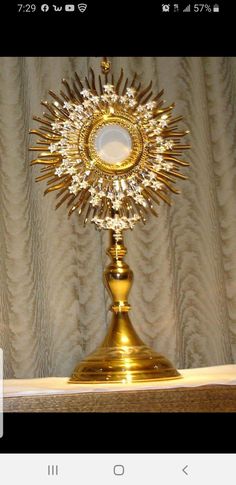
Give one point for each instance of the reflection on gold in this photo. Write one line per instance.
(122, 357)
(113, 196)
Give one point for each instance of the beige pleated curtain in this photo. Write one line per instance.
(54, 307)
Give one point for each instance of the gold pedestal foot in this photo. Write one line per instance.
(111, 366)
(122, 357)
(124, 365)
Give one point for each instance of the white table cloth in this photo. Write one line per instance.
(221, 375)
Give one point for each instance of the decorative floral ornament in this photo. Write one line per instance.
(109, 152)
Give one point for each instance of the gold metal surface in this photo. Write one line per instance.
(112, 195)
(122, 357)
(126, 122)
(72, 166)
(105, 65)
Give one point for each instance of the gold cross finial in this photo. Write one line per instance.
(105, 65)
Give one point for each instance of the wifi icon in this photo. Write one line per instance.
(82, 7)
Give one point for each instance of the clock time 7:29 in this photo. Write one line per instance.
(26, 7)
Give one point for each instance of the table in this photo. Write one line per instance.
(209, 389)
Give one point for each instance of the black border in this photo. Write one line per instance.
(120, 28)
(117, 28)
(118, 433)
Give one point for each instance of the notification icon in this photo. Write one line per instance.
(44, 7)
(69, 8)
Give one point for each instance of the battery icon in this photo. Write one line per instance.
(216, 8)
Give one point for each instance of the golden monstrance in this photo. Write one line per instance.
(112, 152)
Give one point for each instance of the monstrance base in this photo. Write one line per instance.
(124, 365)
(122, 357)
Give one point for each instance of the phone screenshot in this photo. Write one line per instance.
(117, 237)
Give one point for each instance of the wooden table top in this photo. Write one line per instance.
(212, 398)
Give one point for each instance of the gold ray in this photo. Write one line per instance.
(56, 187)
(38, 149)
(93, 81)
(119, 81)
(101, 208)
(172, 189)
(49, 130)
(63, 199)
(133, 80)
(45, 169)
(87, 83)
(145, 100)
(54, 118)
(63, 95)
(176, 134)
(178, 175)
(49, 107)
(161, 179)
(72, 199)
(163, 197)
(47, 156)
(41, 120)
(61, 192)
(175, 120)
(158, 106)
(44, 144)
(56, 97)
(148, 199)
(136, 209)
(76, 206)
(63, 112)
(167, 177)
(158, 112)
(159, 95)
(79, 197)
(107, 209)
(79, 81)
(43, 162)
(69, 90)
(43, 177)
(81, 209)
(176, 160)
(144, 92)
(151, 193)
(124, 208)
(182, 147)
(79, 97)
(100, 84)
(87, 214)
(58, 179)
(125, 86)
(55, 179)
(140, 213)
(130, 208)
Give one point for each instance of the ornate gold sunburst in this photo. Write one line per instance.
(110, 149)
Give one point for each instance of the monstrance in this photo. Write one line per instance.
(112, 151)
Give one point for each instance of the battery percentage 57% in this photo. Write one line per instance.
(202, 7)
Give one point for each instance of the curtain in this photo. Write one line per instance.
(54, 307)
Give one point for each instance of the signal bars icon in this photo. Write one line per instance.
(187, 9)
